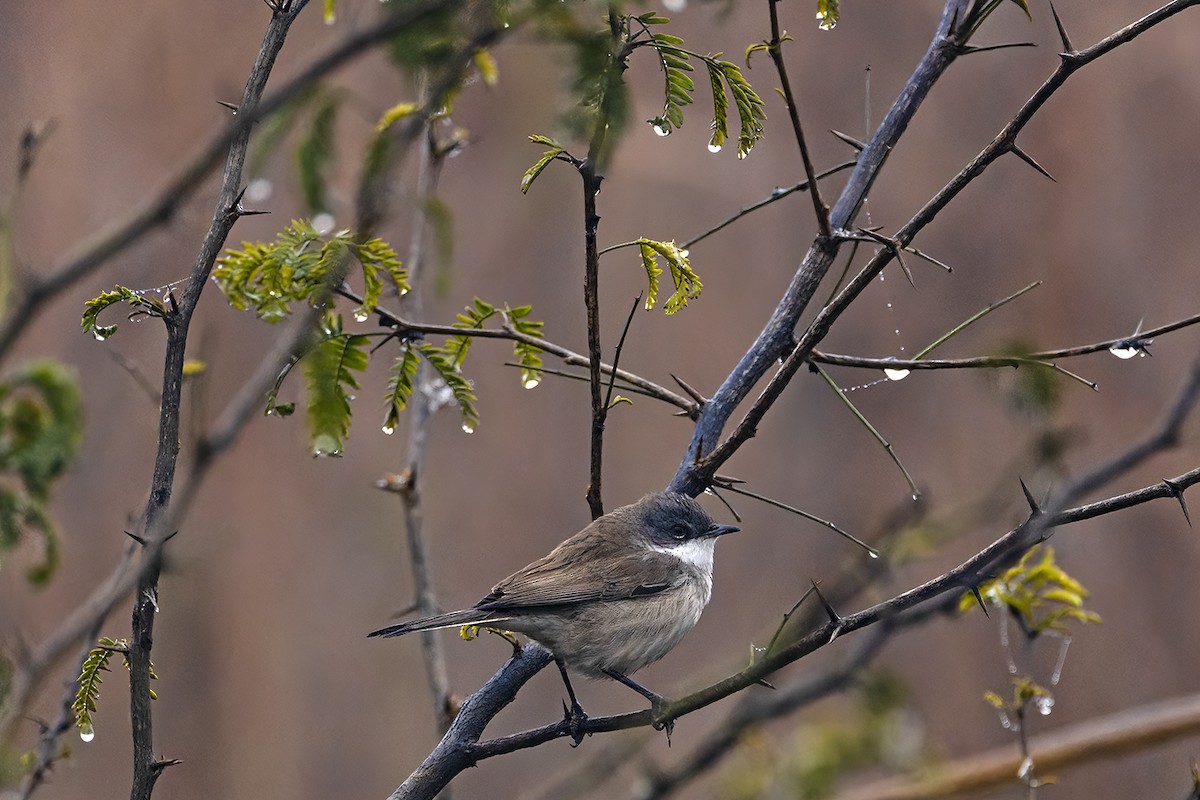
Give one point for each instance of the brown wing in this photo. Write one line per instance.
(569, 575)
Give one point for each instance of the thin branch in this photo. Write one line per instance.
(775, 48)
(405, 328)
(591, 301)
(778, 193)
(158, 210)
(421, 411)
(777, 335)
(704, 455)
(912, 485)
(146, 768)
(1091, 740)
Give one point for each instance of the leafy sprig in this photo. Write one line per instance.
(1040, 594)
(268, 277)
(329, 368)
(687, 282)
(556, 151)
(140, 301)
(675, 61)
(88, 692)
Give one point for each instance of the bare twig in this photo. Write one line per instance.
(775, 48)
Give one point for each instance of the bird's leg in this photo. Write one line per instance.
(575, 715)
(658, 703)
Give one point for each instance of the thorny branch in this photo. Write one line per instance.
(33, 667)
(461, 747)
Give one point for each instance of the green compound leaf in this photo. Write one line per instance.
(329, 372)
(529, 356)
(89, 682)
(687, 282)
(722, 76)
(138, 300)
(533, 172)
(400, 386)
(269, 277)
(444, 365)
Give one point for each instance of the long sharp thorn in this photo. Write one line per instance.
(850, 140)
(834, 617)
(691, 392)
(979, 599)
(1034, 508)
(232, 107)
(1177, 492)
(1062, 32)
(1028, 159)
(763, 682)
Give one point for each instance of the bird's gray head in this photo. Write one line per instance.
(670, 519)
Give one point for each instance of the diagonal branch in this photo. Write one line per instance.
(695, 468)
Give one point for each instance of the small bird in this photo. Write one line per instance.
(611, 599)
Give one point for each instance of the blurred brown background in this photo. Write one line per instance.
(268, 686)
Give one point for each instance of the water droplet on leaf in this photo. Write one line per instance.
(389, 429)
(362, 315)
(468, 427)
(713, 147)
(531, 383)
(87, 732)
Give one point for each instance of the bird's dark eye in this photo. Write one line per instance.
(679, 530)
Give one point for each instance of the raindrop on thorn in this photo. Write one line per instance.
(1123, 350)
(1025, 768)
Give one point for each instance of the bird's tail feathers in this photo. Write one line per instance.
(470, 616)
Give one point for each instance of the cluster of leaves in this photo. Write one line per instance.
(687, 282)
(88, 692)
(144, 304)
(301, 265)
(332, 362)
(1038, 593)
(447, 361)
(676, 64)
(41, 428)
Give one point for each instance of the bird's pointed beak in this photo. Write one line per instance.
(721, 530)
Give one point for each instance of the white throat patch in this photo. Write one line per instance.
(695, 552)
